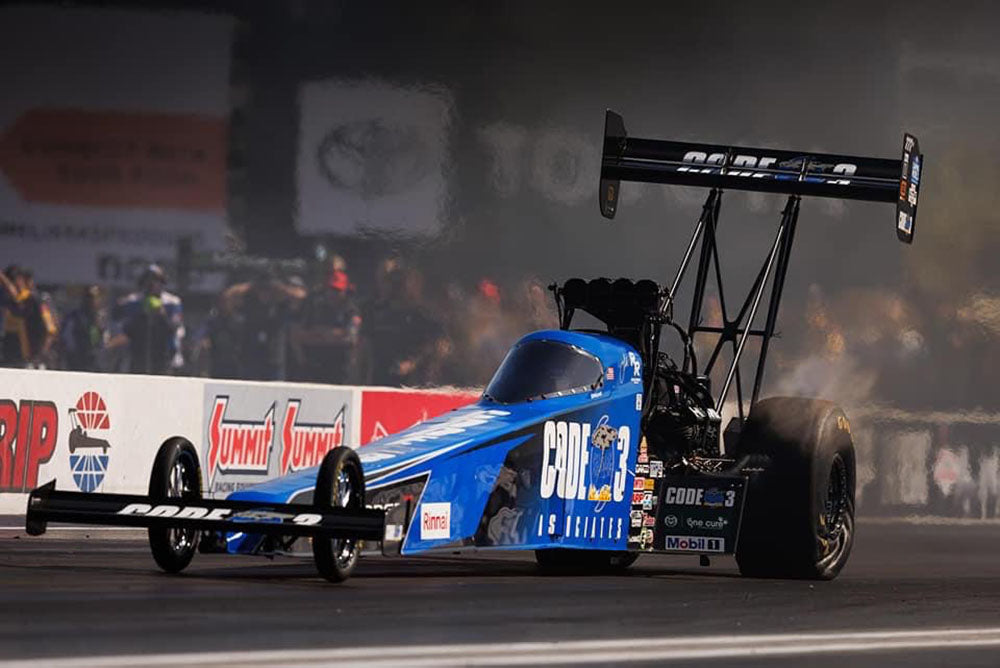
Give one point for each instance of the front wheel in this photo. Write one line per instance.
(176, 474)
(798, 520)
(340, 483)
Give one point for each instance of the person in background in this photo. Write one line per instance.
(84, 333)
(258, 326)
(408, 342)
(324, 344)
(151, 320)
(29, 327)
(8, 299)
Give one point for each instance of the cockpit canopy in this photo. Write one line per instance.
(542, 369)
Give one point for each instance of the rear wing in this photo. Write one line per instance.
(760, 169)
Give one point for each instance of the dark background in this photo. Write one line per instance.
(864, 317)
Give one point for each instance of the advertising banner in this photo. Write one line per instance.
(113, 143)
(376, 154)
(254, 432)
(386, 411)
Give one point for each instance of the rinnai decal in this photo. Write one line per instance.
(28, 434)
(582, 462)
(303, 445)
(694, 544)
(88, 444)
(238, 446)
(435, 521)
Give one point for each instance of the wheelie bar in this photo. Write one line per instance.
(46, 504)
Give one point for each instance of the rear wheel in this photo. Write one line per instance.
(340, 483)
(565, 561)
(798, 521)
(176, 474)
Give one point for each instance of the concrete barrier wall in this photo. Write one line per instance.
(100, 432)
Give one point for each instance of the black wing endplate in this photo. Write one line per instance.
(760, 169)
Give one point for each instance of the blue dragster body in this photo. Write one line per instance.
(554, 471)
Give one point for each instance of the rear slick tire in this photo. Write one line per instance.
(176, 474)
(798, 520)
(340, 482)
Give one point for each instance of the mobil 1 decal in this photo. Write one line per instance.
(698, 514)
(568, 483)
(254, 432)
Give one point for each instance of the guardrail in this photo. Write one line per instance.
(100, 432)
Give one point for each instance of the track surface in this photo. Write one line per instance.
(89, 596)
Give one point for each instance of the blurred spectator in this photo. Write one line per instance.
(152, 323)
(29, 327)
(407, 341)
(84, 333)
(324, 344)
(249, 332)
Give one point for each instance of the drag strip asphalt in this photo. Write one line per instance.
(912, 595)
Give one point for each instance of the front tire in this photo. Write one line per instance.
(176, 474)
(340, 482)
(798, 521)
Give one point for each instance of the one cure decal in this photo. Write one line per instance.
(585, 464)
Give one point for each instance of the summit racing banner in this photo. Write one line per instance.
(256, 432)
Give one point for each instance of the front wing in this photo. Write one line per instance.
(46, 504)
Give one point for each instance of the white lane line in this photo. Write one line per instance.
(558, 652)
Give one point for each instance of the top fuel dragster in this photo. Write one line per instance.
(587, 447)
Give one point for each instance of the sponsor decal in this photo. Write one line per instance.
(636, 517)
(304, 445)
(638, 401)
(656, 469)
(650, 484)
(389, 412)
(905, 222)
(610, 374)
(696, 496)
(694, 544)
(639, 484)
(670, 521)
(902, 188)
(643, 451)
(583, 462)
(28, 433)
(642, 469)
(715, 163)
(635, 363)
(435, 521)
(648, 500)
(717, 524)
(911, 195)
(648, 521)
(88, 444)
(908, 143)
(646, 538)
(238, 446)
(637, 498)
(915, 172)
(262, 515)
